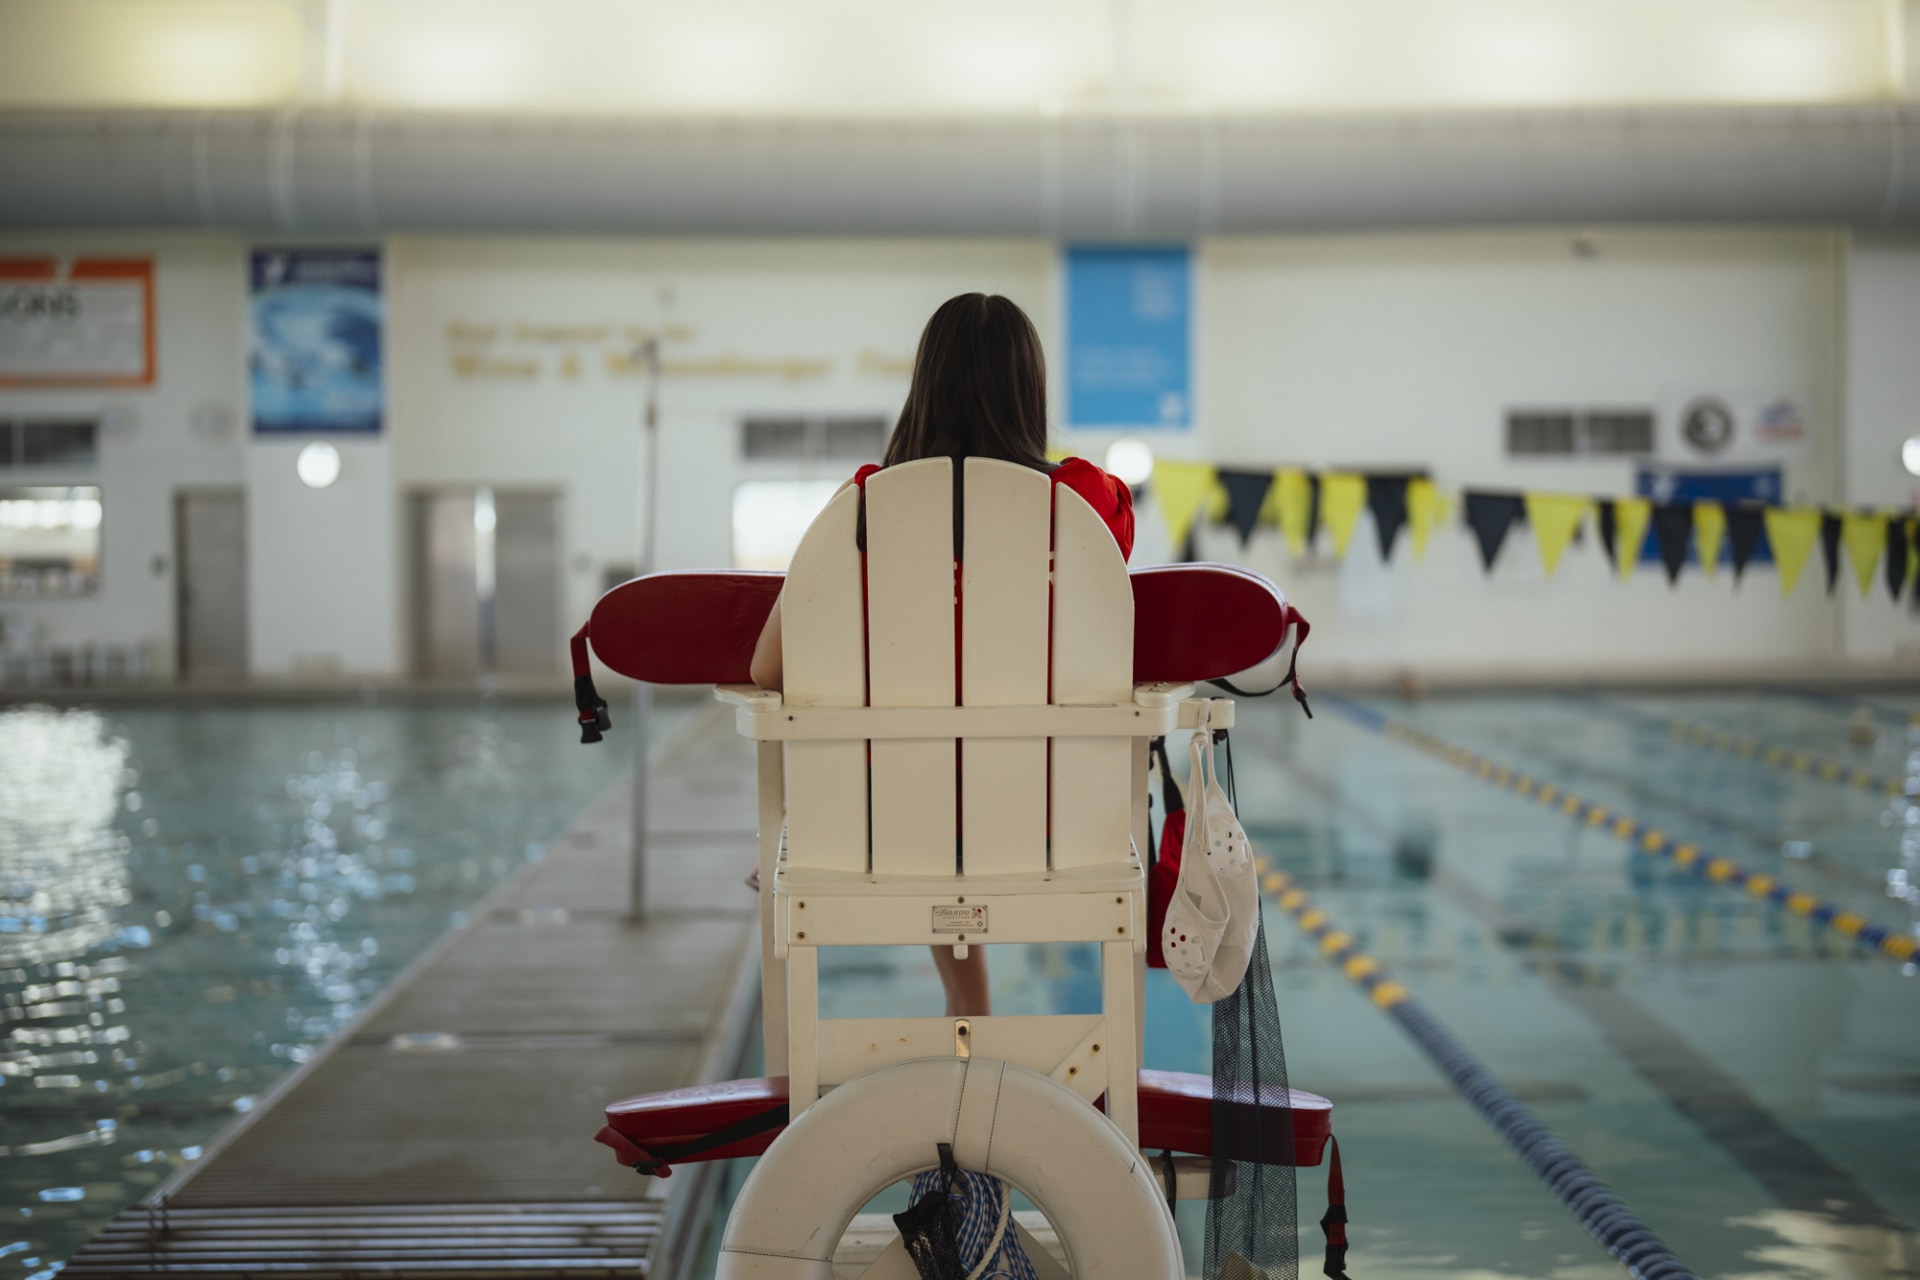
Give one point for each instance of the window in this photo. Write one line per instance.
(848, 439)
(49, 541)
(1579, 432)
(49, 442)
(770, 517)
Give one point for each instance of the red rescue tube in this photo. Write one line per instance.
(1190, 622)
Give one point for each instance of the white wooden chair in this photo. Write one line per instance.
(901, 805)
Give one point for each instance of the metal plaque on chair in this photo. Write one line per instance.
(962, 920)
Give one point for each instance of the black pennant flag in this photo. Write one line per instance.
(1746, 525)
(1190, 549)
(1899, 538)
(1313, 507)
(1830, 546)
(1608, 529)
(1387, 499)
(1672, 527)
(1490, 516)
(1246, 494)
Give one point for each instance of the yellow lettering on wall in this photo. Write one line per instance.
(513, 369)
(881, 364)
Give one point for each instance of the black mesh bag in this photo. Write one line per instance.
(930, 1230)
(1252, 1219)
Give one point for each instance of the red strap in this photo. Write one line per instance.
(1334, 1223)
(631, 1154)
(579, 647)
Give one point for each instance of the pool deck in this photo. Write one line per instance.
(449, 1130)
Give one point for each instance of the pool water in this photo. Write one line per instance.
(1746, 1080)
(193, 900)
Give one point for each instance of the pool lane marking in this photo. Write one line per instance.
(1777, 755)
(1774, 755)
(1593, 1204)
(1796, 1173)
(1886, 939)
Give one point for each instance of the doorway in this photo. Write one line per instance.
(486, 568)
(210, 552)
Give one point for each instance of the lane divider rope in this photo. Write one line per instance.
(1780, 756)
(1887, 939)
(1594, 1204)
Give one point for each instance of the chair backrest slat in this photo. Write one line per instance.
(1046, 609)
(910, 663)
(824, 643)
(1003, 654)
(1092, 664)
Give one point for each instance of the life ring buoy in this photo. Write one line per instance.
(1093, 1185)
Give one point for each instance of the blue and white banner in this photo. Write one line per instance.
(315, 358)
(1130, 337)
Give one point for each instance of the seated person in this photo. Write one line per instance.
(979, 390)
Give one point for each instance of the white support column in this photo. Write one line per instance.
(773, 975)
(803, 1029)
(1123, 1062)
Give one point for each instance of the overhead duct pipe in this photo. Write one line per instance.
(332, 172)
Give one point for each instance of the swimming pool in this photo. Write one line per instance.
(1747, 1080)
(193, 900)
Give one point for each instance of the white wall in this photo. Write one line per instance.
(1369, 351)
(840, 319)
(1405, 351)
(1883, 410)
(200, 296)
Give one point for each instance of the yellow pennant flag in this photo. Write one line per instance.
(1425, 509)
(1791, 532)
(1292, 499)
(1179, 488)
(1709, 527)
(1342, 495)
(1866, 538)
(1630, 517)
(1555, 518)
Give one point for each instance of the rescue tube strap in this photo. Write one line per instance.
(1301, 628)
(592, 708)
(1334, 1221)
(655, 1160)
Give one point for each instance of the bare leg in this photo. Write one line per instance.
(965, 981)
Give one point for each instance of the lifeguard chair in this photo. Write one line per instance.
(958, 759)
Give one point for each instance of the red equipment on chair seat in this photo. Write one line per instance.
(1176, 1114)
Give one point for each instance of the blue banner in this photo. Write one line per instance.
(1679, 484)
(315, 359)
(1130, 337)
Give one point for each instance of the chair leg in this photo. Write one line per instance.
(773, 978)
(1123, 1063)
(803, 1029)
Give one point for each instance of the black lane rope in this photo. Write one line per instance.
(1594, 1204)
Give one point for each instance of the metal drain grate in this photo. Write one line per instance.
(495, 1241)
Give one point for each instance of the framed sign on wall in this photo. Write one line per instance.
(87, 322)
(1130, 337)
(316, 358)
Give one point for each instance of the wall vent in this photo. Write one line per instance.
(801, 439)
(1538, 433)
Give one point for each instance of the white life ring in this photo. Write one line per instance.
(1070, 1160)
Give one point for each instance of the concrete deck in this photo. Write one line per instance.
(450, 1130)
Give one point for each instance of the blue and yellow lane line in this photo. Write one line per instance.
(1335, 945)
(1890, 941)
(1591, 1201)
(1777, 755)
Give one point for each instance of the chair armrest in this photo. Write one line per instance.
(1160, 694)
(747, 695)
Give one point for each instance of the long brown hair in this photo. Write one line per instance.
(979, 387)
